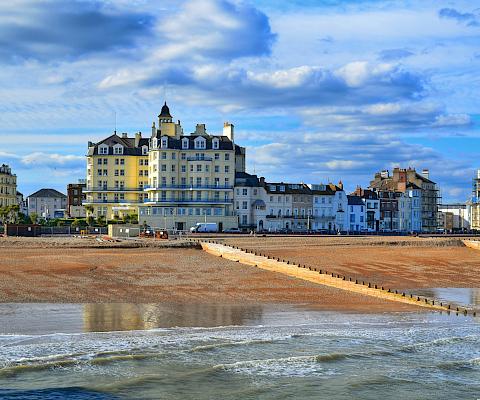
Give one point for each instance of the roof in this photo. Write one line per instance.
(245, 179)
(288, 188)
(165, 112)
(330, 190)
(48, 193)
(355, 200)
(129, 148)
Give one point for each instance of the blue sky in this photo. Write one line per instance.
(317, 90)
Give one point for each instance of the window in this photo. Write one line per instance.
(215, 144)
(173, 168)
(174, 156)
(164, 142)
(244, 205)
(207, 168)
(122, 172)
(183, 156)
(244, 192)
(199, 167)
(200, 143)
(103, 149)
(217, 168)
(352, 217)
(227, 156)
(184, 144)
(164, 155)
(144, 150)
(118, 149)
(227, 169)
(164, 168)
(217, 156)
(99, 162)
(184, 168)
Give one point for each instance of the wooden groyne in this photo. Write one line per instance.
(324, 277)
(472, 244)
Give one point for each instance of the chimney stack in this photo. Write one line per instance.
(228, 130)
(138, 136)
(426, 173)
(124, 135)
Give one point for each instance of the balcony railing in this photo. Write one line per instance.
(112, 189)
(199, 158)
(185, 201)
(189, 187)
(112, 201)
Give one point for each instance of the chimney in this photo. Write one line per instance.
(228, 130)
(200, 129)
(426, 173)
(340, 185)
(138, 136)
(384, 174)
(124, 135)
(262, 180)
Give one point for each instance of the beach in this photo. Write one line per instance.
(78, 270)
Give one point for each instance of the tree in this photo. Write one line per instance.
(101, 221)
(90, 220)
(75, 223)
(34, 217)
(89, 210)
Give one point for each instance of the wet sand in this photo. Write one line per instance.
(145, 275)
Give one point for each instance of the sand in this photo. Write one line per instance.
(82, 271)
(144, 275)
(397, 262)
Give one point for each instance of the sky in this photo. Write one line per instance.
(318, 90)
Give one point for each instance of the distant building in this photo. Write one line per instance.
(455, 217)
(22, 203)
(329, 206)
(411, 186)
(8, 186)
(75, 199)
(47, 203)
(372, 208)
(249, 201)
(356, 214)
(475, 202)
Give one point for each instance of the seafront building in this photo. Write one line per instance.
(455, 217)
(408, 200)
(47, 204)
(475, 202)
(75, 198)
(329, 207)
(171, 179)
(372, 208)
(8, 186)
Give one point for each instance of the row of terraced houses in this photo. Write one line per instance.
(174, 180)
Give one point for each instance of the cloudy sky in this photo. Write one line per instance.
(317, 90)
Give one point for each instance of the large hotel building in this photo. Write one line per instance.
(170, 179)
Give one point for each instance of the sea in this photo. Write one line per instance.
(202, 351)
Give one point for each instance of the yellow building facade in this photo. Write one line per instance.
(8, 187)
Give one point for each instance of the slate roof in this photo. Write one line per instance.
(290, 188)
(48, 193)
(355, 200)
(245, 179)
(129, 148)
(330, 190)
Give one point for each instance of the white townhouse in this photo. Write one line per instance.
(356, 214)
(329, 206)
(410, 209)
(249, 202)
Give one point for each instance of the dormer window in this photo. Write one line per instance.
(144, 150)
(164, 142)
(200, 143)
(215, 144)
(185, 143)
(272, 188)
(118, 149)
(282, 188)
(103, 149)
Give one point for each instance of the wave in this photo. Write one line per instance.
(23, 368)
(438, 342)
(215, 346)
(473, 363)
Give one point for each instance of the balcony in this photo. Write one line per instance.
(191, 201)
(93, 189)
(111, 201)
(190, 187)
(199, 158)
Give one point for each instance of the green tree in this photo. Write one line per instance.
(101, 221)
(34, 217)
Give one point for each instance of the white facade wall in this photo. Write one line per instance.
(46, 207)
(356, 217)
(410, 211)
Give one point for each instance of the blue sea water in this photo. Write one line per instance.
(125, 351)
